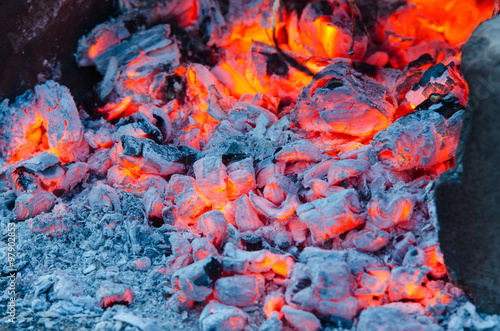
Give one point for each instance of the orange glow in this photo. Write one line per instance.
(119, 299)
(274, 303)
(36, 139)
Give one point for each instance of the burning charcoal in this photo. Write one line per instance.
(301, 320)
(239, 261)
(338, 101)
(246, 117)
(100, 162)
(31, 204)
(251, 241)
(196, 279)
(24, 176)
(176, 263)
(99, 40)
(418, 140)
(300, 150)
(325, 30)
(104, 197)
(156, 159)
(202, 249)
(266, 169)
(152, 131)
(241, 178)
(343, 310)
(154, 206)
(203, 88)
(370, 240)
(245, 216)
(318, 171)
(211, 174)
(148, 41)
(439, 80)
(397, 317)
(298, 229)
(390, 209)
(180, 245)
(345, 169)
(407, 283)
(435, 261)
(163, 123)
(21, 130)
(278, 188)
(62, 121)
(323, 286)
(273, 304)
(186, 196)
(374, 281)
(216, 316)
(270, 210)
(401, 248)
(239, 291)
(329, 217)
(213, 225)
(111, 294)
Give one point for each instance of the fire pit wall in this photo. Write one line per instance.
(467, 196)
(215, 181)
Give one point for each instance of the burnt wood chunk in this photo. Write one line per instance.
(468, 196)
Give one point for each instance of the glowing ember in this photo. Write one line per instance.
(246, 156)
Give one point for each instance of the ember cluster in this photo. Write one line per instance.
(241, 166)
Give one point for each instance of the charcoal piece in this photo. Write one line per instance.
(186, 196)
(128, 49)
(103, 36)
(111, 294)
(240, 290)
(193, 280)
(467, 196)
(371, 241)
(438, 80)
(396, 316)
(62, 121)
(446, 105)
(148, 127)
(345, 169)
(202, 249)
(211, 175)
(329, 217)
(163, 124)
(388, 209)
(245, 117)
(252, 242)
(151, 157)
(418, 140)
(243, 262)
(245, 216)
(216, 316)
(338, 100)
(300, 150)
(213, 225)
(20, 131)
(407, 283)
(31, 204)
(272, 211)
(301, 320)
(278, 188)
(374, 281)
(241, 178)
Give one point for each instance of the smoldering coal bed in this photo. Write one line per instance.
(247, 165)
